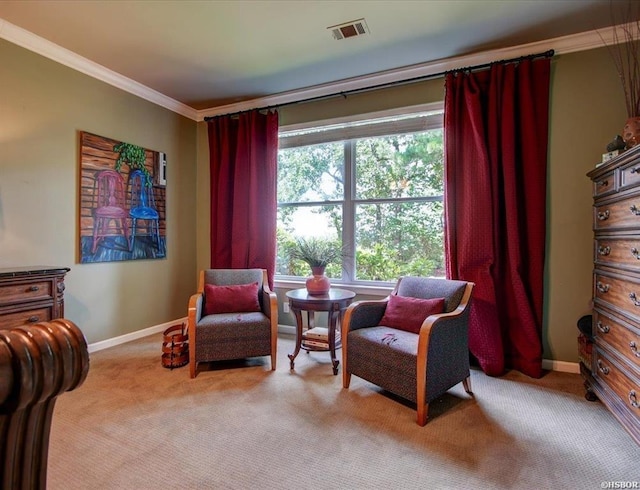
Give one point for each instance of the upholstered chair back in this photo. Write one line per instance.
(231, 277)
(428, 288)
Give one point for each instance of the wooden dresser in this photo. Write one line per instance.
(615, 366)
(31, 295)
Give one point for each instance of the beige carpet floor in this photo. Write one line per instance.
(136, 425)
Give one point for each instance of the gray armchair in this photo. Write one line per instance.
(219, 331)
(420, 366)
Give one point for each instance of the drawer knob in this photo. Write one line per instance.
(33, 319)
(34, 288)
(635, 170)
(603, 215)
(603, 288)
(602, 183)
(602, 368)
(635, 253)
(634, 299)
(603, 328)
(633, 399)
(634, 349)
(634, 209)
(604, 250)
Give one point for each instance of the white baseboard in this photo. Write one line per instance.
(104, 344)
(287, 329)
(562, 366)
(548, 364)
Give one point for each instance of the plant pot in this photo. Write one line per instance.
(318, 284)
(631, 132)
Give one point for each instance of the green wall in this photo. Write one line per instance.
(43, 107)
(587, 111)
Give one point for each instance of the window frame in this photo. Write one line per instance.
(349, 202)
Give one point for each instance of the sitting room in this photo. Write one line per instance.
(321, 244)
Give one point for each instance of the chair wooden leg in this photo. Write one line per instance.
(193, 369)
(421, 390)
(423, 410)
(346, 378)
(273, 361)
(96, 230)
(466, 382)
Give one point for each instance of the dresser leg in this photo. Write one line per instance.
(589, 394)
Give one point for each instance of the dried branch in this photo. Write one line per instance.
(626, 58)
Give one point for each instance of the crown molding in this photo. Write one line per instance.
(39, 45)
(561, 45)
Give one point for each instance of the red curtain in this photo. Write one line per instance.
(496, 132)
(243, 152)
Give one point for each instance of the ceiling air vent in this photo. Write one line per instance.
(349, 29)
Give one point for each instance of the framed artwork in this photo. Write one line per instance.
(122, 201)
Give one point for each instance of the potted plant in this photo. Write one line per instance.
(135, 157)
(317, 253)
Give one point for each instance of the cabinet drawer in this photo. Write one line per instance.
(626, 388)
(622, 339)
(604, 185)
(27, 292)
(622, 294)
(26, 317)
(618, 252)
(630, 176)
(623, 214)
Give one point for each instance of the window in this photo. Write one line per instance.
(374, 187)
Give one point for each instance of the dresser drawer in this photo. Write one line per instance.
(620, 337)
(630, 176)
(625, 387)
(604, 185)
(622, 252)
(25, 292)
(25, 317)
(620, 293)
(623, 214)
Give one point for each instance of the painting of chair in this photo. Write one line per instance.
(110, 214)
(143, 207)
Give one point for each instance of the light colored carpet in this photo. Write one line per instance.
(136, 425)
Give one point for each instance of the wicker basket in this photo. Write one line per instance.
(175, 347)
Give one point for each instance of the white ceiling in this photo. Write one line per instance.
(206, 54)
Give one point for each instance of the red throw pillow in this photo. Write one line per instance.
(406, 313)
(231, 299)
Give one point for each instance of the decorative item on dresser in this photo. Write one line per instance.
(31, 295)
(615, 364)
(624, 53)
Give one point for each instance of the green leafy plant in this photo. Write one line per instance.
(134, 156)
(317, 252)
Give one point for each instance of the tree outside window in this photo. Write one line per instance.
(381, 197)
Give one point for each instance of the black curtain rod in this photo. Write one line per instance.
(546, 54)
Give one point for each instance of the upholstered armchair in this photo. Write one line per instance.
(414, 343)
(233, 315)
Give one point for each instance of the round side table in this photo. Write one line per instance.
(334, 303)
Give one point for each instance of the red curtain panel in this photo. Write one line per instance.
(496, 134)
(243, 152)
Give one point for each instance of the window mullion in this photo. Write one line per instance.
(348, 210)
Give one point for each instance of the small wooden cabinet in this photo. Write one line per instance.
(31, 295)
(614, 374)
